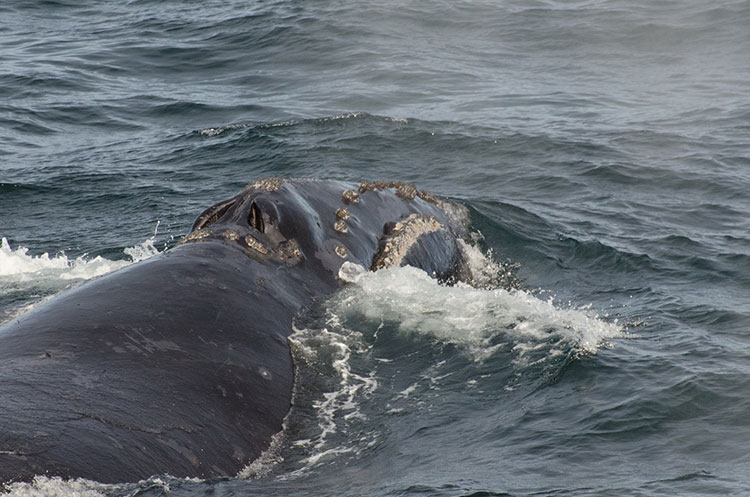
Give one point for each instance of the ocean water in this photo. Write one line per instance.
(601, 147)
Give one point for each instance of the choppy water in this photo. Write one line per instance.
(601, 146)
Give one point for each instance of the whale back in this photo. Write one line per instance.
(180, 364)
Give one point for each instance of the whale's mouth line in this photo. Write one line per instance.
(287, 251)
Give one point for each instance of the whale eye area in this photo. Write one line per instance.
(255, 218)
(213, 215)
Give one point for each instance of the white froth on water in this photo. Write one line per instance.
(477, 320)
(328, 353)
(485, 271)
(322, 360)
(39, 277)
(56, 486)
(43, 486)
(16, 264)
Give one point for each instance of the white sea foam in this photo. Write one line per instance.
(55, 486)
(16, 264)
(485, 271)
(328, 353)
(35, 277)
(478, 320)
(322, 364)
(43, 486)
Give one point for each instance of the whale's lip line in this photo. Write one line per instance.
(229, 236)
(287, 251)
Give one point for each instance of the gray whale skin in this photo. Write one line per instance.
(180, 364)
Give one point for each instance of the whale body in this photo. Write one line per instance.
(180, 364)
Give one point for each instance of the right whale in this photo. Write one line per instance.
(180, 364)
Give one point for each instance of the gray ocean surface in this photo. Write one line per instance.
(602, 148)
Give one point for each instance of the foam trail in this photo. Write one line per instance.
(323, 349)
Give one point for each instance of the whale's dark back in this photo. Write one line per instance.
(180, 364)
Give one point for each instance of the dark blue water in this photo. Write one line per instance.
(602, 148)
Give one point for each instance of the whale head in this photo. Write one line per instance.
(323, 224)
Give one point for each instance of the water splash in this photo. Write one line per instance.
(26, 279)
(17, 264)
(44, 486)
(55, 486)
(477, 320)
